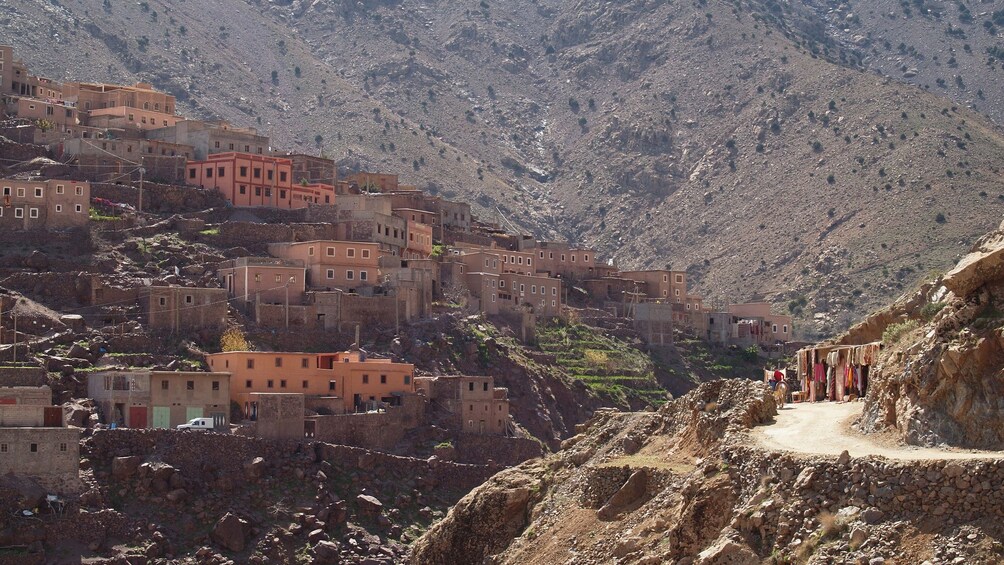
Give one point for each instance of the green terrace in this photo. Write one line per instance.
(611, 367)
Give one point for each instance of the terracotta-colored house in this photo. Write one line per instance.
(98, 96)
(208, 138)
(477, 405)
(44, 204)
(263, 279)
(374, 182)
(334, 264)
(359, 381)
(245, 179)
(774, 327)
(661, 284)
(565, 261)
(419, 241)
(542, 293)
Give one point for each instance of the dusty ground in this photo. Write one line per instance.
(826, 428)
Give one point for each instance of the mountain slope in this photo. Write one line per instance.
(714, 137)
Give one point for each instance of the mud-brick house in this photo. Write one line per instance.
(263, 279)
(44, 204)
(34, 439)
(160, 399)
(473, 403)
(176, 308)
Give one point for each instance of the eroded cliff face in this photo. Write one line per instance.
(634, 477)
(941, 375)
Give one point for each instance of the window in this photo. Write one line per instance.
(331, 274)
(3, 448)
(330, 251)
(366, 253)
(485, 387)
(78, 208)
(304, 363)
(494, 297)
(270, 383)
(165, 384)
(554, 291)
(533, 289)
(282, 383)
(688, 308)
(250, 363)
(676, 292)
(350, 252)
(502, 283)
(20, 192)
(269, 174)
(363, 275)
(257, 173)
(331, 385)
(366, 379)
(407, 379)
(62, 447)
(773, 328)
(522, 288)
(784, 328)
(257, 277)
(18, 212)
(59, 208)
(383, 379)
(220, 172)
(189, 385)
(541, 254)
(305, 383)
(247, 383)
(278, 361)
(38, 192)
(209, 173)
(243, 189)
(216, 144)
(310, 251)
(552, 304)
(6, 191)
(33, 448)
(244, 169)
(573, 258)
(191, 173)
(585, 258)
(80, 191)
(282, 194)
(350, 275)
(282, 176)
(33, 213)
(679, 278)
(216, 385)
(562, 257)
(188, 299)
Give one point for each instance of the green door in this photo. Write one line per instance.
(192, 412)
(162, 416)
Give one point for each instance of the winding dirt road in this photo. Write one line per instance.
(823, 428)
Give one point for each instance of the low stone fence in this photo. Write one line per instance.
(508, 451)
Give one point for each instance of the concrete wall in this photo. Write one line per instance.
(54, 461)
(26, 395)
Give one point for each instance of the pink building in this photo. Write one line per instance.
(245, 179)
(263, 279)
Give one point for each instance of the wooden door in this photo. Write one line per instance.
(52, 417)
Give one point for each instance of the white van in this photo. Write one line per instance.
(198, 424)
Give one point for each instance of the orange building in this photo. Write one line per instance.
(249, 180)
(661, 284)
(334, 264)
(419, 241)
(349, 375)
(540, 292)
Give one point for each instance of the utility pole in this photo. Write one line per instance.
(287, 303)
(15, 331)
(139, 208)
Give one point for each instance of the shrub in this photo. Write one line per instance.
(940, 218)
(817, 146)
(894, 332)
(931, 309)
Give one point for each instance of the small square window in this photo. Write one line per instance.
(383, 379)
(304, 363)
(216, 385)
(366, 379)
(62, 447)
(59, 208)
(18, 212)
(331, 385)
(33, 447)
(3, 448)
(33, 213)
(270, 383)
(164, 384)
(366, 253)
(305, 383)
(189, 385)
(250, 363)
(38, 192)
(247, 383)
(350, 275)
(282, 383)
(188, 299)
(350, 252)
(331, 251)
(78, 208)
(278, 361)
(331, 273)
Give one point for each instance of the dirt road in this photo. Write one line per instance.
(822, 428)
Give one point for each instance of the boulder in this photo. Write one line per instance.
(633, 489)
(326, 552)
(872, 516)
(78, 351)
(125, 467)
(726, 549)
(985, 262)
(367, 503)
(231, 532)
(255, 468)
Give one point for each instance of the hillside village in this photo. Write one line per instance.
(132, 227)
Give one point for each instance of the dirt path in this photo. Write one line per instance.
(823, 428)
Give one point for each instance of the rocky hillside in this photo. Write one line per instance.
(684, 485)
(738, 140)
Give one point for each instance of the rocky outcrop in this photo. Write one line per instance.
(939, 378)
(231, 532)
